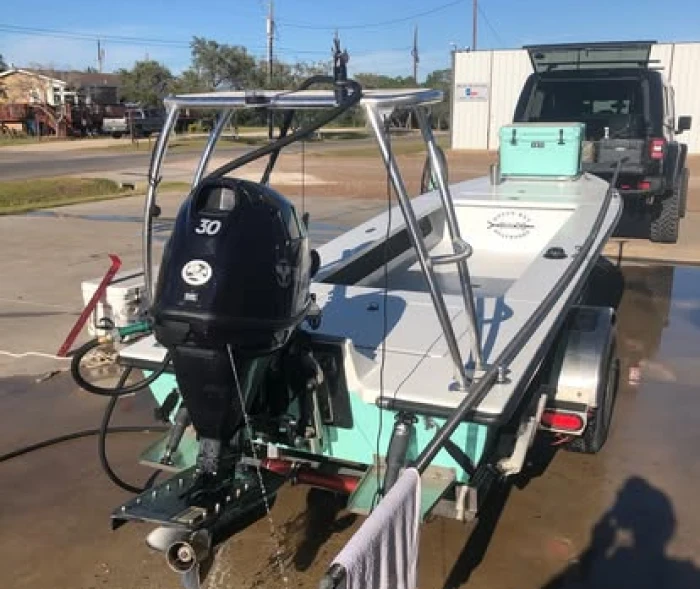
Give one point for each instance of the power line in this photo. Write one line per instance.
(293, 25)
(40, 32)
(490, 26)
(120, 39)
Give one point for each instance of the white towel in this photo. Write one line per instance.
(383, 553)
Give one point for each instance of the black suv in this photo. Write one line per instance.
(628, 109)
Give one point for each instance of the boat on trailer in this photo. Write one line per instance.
(443, 334)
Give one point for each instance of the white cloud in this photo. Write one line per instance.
(398, 63)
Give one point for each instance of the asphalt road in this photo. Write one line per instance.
(26, 165)
(23, 165)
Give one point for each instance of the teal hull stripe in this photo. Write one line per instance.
(359, 444)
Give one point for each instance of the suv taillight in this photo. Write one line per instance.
(657, 148)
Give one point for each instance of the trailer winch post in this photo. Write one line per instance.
(92, 303)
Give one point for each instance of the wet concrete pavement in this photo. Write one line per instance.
(626, 518)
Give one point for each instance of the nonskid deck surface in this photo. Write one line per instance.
(510, 227)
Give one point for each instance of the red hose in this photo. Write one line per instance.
(334, 482)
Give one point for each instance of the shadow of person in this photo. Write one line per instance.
(628, 547)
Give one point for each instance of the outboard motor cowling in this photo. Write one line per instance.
(233, 287)
(236, 270)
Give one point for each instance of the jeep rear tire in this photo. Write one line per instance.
(664, 228)
(685, 175)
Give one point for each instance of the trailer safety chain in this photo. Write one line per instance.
(263, 489)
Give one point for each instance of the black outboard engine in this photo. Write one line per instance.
(232, 289)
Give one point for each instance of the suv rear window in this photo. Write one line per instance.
(616, 104)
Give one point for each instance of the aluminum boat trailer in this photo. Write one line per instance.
(459, 318)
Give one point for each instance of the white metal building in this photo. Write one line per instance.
(486, 86)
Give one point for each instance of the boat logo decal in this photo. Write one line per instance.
(196, 272)
(283, 272)
(511, 225)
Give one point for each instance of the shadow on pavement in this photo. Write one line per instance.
(627, 546)
(539, 459)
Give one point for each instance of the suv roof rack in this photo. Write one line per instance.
(597, 55)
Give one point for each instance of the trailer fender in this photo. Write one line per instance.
(578, 374)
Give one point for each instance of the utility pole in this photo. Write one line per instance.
(270, 44)
(100, 56)
(475, 16)
(414, 54)
(270, 38)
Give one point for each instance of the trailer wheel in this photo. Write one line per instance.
(596, 433)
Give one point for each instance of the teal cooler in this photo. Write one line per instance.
(541, 149)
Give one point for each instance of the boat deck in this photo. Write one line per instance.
(510, 226)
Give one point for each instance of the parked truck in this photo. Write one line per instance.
(141, 122)
(628, 108)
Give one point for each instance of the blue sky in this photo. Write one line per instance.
(162, 30)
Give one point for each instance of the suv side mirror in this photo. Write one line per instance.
(684, 124)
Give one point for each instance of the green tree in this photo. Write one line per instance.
(441, 80)
(189, 82)
(147, 83)
(380, 81)
(221, 65)
(3, 64)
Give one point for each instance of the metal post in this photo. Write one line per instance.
(453, 227)
(475, 16)
(221, 123)
(270, 43)
(153, 179)
(414, 54)
(418, 243)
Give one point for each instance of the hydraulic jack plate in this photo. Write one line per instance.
(170, 504)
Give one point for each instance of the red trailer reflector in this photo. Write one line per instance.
(570, 422)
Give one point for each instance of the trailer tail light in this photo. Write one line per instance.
(657, 148)
(560, 421)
